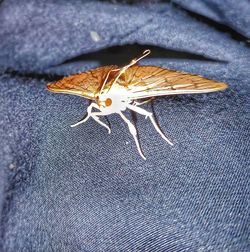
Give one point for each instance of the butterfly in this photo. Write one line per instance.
(114, 89)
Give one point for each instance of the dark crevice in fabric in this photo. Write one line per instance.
(120, 55)
(33, 75)
(115, 55)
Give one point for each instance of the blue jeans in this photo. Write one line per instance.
(80, 189)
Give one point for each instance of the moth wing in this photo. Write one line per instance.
(85, 84)
(149, 81)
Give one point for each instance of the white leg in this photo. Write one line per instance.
(150, 115)
(96, 118)
(136, 103)
(94, 115)
(133, 131)
(89, 110)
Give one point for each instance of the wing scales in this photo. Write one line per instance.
(85, 84)
(147, 81)
(140, 81)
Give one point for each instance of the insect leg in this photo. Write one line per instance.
(150, 115)
(136, 103)
(89, 111)
(96, 118)
(133, 131)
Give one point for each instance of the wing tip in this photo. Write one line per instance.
(53, 87)
(50, 86)
(221, 86)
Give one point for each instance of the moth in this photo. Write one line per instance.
(114, 89)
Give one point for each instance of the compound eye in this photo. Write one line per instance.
(108, 102)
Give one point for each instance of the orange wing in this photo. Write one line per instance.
(86, 84)
(149, 81)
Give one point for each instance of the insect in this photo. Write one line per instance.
(114, 89)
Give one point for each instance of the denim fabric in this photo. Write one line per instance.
(235, 15)
(80, 189)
